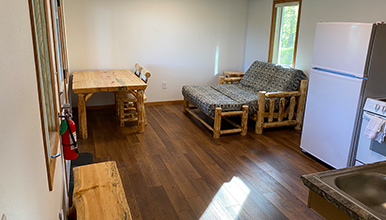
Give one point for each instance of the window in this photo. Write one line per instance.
(45, 64)
(284, 32)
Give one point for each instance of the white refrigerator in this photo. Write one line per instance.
(337, 80)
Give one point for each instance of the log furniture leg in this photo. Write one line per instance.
(144, 114)
(121, 113)
(260, 112)
(82, 116)
(141, 112)
(244, 121)
(117, 107)
(301, 104)
(186, 105)
(217, 123)
(219, 114)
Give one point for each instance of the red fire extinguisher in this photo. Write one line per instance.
(68, 135)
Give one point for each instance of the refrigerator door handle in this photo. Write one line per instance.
(338, 73)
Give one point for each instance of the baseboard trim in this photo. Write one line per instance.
(165, 102)
(95, 107)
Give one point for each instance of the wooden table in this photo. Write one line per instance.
(98, 193)
(86, 83)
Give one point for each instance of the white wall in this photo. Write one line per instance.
(176, 40)
(257, 45)
(312, 11)
(342, 11)
(23, 176)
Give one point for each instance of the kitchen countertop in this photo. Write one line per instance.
(336, 198)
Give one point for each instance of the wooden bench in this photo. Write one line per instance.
(98, 193)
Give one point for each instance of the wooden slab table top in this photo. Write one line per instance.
(98, 193)
(86, 83)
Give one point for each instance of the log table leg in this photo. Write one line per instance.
(141, 112)
(82, 117)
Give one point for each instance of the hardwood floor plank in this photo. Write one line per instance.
(213, 183)
(287, 208)
(172, 154)
(100, 142)
(216, 210)
(187, 215)
(252, 210)
(144, 199)
(237, 212)
(198, 206)
(203, 190)
(177, 170)
(171, 187)
(130, 195)
(165, 207)
(263, 203)
(183, 182)
(292, 184)
(146, 167)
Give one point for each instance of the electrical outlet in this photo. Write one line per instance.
(164, 85)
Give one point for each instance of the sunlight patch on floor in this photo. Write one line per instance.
(228, 201)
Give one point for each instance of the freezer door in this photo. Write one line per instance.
(330, 115)
(342, 47)
(376, 83)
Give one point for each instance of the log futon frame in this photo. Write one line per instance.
(270, 94)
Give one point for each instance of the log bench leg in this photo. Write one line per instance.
(217, 123)
(244, 121)
(216, 129)
(186, 104)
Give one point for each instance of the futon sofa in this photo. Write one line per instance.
(270, 94)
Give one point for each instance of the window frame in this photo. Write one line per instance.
(50, 126)
(273, 29)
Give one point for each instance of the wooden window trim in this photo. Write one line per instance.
(273, 23)
(53, 136)
(63, 48)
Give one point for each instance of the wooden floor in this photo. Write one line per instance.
(176, 170)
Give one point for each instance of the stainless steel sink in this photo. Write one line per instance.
(367, 187)
(364, 185)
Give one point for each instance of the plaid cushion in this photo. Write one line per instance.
(207, 99)
(269, 77)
